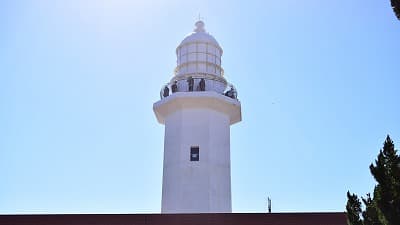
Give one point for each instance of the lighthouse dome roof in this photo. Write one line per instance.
(199, 34)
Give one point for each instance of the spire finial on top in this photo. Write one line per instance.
(199, 25)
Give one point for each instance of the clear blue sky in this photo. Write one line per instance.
(319, 84)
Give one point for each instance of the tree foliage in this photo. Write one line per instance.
(396, 7)
(384, 207)
(353, 209)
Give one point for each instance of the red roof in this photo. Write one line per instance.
(178, 219)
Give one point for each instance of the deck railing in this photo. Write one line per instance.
(192, 86)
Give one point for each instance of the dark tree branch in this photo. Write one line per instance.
(396, 7)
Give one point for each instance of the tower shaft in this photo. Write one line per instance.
(196, 176)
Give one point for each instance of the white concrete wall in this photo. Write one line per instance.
(196, 186)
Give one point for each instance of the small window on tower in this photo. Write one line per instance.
(194, 153)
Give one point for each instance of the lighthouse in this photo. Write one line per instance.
(197, 107)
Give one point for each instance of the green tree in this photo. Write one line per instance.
(386, 172)
(384, 207)
(371, 215)
(353, 209)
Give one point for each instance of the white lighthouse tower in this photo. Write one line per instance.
(197, 107)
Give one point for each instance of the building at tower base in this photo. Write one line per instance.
(333, 218)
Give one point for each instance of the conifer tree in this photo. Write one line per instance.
(353, 209)
(371, 215)
(384, 207)
(386, 172)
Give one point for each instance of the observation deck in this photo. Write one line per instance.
(198, 84)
